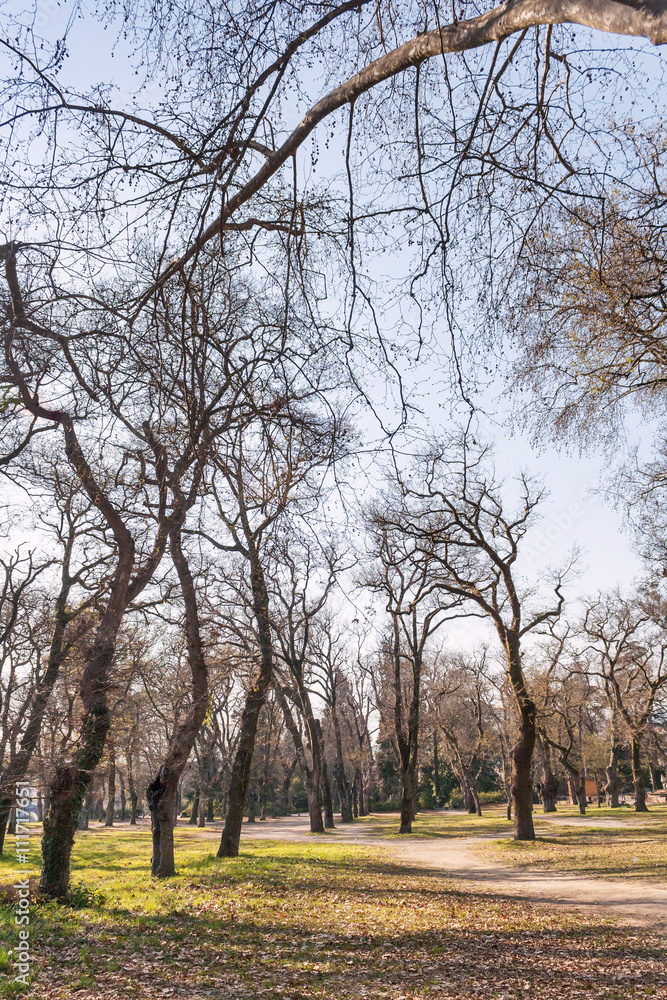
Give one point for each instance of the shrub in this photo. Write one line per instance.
(80, 897)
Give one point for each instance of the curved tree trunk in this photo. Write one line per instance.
(163, 790)
(19, 762)
(309, 775)
(240, 777)
(71, 780)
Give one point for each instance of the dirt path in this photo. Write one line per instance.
(643, 903)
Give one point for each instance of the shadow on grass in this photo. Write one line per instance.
(278, 954)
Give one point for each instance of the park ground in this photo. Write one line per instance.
(458, 910)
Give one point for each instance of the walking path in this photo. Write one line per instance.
(643, 903)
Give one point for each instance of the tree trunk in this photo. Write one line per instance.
(362, 793)
(581, 793)
(111, 792)
(326, 793)
(407, 800)
(84, 816)
(573, 789)
(71, 780)
(161, 795)
(550, 783)
(163, 790)
(340, 777)
(252, 805)
(522, 786)
(201, 810)
(3, 829)
(638, 777)
(408, 744)
(123, 800)
(357, 794)
(19, 762)
(194, 811)
(613, 785)
(522, 751)
(238, 788)
(285, 804)
(549, 792)
(313, 798)
(134, 798)
(311, 776)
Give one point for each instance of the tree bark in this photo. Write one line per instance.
(19, 762)
(194, 811)
(238, 789)
(550, 783)
(252, 805)
(311, 776)
(613, 785)
(111, 790)
(134, 798)
(201, 811)
(358, 794)
(573, 789)
(326, 787)
(638, 777)
(522, 751)
(123, 800)
(163, 790)
(407, 799)
(285, 805)
(71, 780)
(340, 777)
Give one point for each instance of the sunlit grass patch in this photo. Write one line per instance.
(315, 921)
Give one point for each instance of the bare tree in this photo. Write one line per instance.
(451, 508)
(627, 637)
(404, 577)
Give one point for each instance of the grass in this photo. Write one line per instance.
(636, 850)
(447, 823)
(313, 921)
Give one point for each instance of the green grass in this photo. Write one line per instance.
(636, 850)
(314, 921)
(427, 825)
